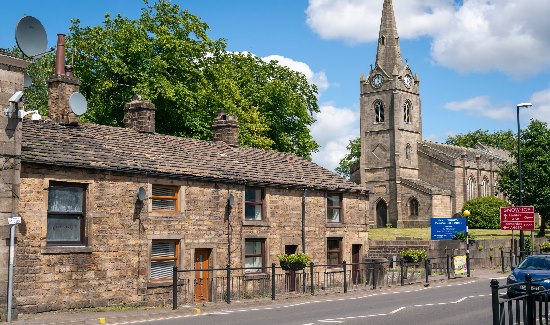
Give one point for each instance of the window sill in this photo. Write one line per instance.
(256, 223)
(162, 284)
(66, 250)
(255, 276)
(334, 225)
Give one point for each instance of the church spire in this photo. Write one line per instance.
(388, 56)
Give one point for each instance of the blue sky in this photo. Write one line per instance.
(476, 59)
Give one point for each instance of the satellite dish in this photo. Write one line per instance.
(31, 36)
(141, 195)
(27, 81)
(78, 104)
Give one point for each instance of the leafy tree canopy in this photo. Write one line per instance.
(353, 156)
(167, 57)
(500, 139)
(535, 154)
(484, 212)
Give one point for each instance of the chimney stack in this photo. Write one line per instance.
(226, 128)
(61, 85)
(140, 115)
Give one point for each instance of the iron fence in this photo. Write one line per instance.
(227, 284)
(529, 308)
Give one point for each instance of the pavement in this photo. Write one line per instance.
(123, 317)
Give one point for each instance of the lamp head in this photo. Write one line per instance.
(524, 105)
(466, 213)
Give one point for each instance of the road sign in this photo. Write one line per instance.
(517, 218)
(446, 228)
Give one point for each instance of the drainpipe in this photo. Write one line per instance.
(304, 222)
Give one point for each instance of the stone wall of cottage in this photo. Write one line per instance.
(113, 268)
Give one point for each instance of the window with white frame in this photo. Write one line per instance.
(470, 188)
(254, 255)
(66, 214)
(334, 207)
(485, 186)
(164, 256)
(254, 202)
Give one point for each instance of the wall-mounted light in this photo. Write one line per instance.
(35, 116)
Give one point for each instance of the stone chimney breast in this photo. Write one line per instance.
(226, 128)
(140, 116)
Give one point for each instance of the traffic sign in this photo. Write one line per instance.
(517, 218)
(446, 228)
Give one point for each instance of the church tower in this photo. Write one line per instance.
(391, 125)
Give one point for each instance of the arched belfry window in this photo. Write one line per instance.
(470, 188)
(407, 107)
(485, 187)
(408, 151)
(379, 111)
(413, 207)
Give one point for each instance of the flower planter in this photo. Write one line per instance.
(292, 266)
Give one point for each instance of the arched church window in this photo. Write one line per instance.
(470, 188)
(485, 186)
(381, 214)
(407, 112)
(379, 111)
(408, 152)
(413, 207)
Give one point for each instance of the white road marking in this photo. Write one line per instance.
(395, 311)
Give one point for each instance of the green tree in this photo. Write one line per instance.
(484, 212)
(500, 139)
(535, 154)
(352, 157)
(167, 57)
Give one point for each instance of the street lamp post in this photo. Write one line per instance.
(466, 213)
(520, 189)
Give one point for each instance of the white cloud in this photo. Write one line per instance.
(541, 106)
(317, 78)
(482, 106)
(512, 36)
(333, 130)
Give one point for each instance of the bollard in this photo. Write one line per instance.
(494, 302)
(467, 264)
(175, 288)
(345, 277)
(311, 278)
(401, 264)
(273, 281)
(502, 259)
(530, 300)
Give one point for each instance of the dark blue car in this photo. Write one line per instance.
(539, 268)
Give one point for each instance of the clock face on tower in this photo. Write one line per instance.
(407, 80)
(377, 80)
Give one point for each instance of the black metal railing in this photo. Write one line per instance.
(524, 308)
(227, 284)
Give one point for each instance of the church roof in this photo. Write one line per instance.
(424, 186)
(125, 150)
(455, 152)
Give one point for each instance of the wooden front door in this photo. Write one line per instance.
(355, 259)
(202, 277)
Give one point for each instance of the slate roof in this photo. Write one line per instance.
(118, 149)
(455, 152)
(424, 186)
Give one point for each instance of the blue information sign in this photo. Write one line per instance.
(446, 228)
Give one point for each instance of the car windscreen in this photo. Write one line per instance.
(535, 263)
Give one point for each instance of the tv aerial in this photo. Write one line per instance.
(78, 103)
(31, 37)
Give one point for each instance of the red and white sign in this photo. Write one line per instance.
(517, 218)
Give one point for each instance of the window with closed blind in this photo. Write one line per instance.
(164, 256)
(66, 214)
(165, 198)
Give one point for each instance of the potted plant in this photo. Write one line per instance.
(545, 247)
(293, 262)
(412, 255)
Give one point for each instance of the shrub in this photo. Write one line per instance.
(461, 235)
(545, 247)
(295, 261)
(484, 212)
(412, 255)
